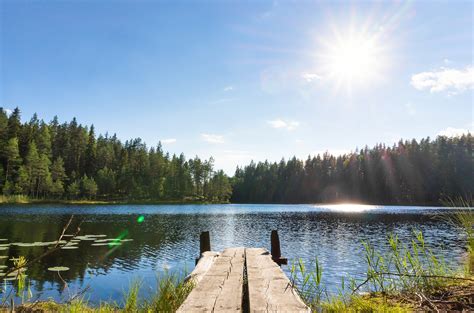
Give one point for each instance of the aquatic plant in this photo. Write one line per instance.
(462, 216)
(58, 269)
(405, 268)
(308, 280)
(171, 292)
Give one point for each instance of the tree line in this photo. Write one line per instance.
(68, 161)
(408, 172)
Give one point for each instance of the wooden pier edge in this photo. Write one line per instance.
(241, 280)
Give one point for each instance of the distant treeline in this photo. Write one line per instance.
(409, 172)
(67, 161)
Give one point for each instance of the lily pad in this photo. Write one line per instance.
(84, 238)
(26, 244)
(97, 236)
(58, 269)
(43, 244)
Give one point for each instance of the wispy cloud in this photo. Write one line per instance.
(168, 141)
(310, 77)
(450, 80)
(279, 123)
(212, 138)
(453, 132)
(228, 88)
(7, 111)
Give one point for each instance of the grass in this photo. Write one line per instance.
(369, 303)
(463, 217)
(393, 278)
(15, 199)
(170, 294)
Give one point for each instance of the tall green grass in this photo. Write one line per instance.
(170, 293)
(462, 216)
(402, 268)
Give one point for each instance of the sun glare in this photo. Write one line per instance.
(353, 59)
(349, 208)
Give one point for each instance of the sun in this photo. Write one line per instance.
(352, 60)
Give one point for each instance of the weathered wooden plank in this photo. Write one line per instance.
(269, 288)
(220, 288)
(204, 264)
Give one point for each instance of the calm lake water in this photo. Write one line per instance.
(166, 238)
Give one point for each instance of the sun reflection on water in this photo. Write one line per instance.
(349, 207)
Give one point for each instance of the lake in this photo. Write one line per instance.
(166, 238)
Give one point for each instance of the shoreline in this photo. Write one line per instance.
(21, 200)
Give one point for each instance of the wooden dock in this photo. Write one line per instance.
(241, 280)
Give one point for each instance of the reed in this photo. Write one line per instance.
(403, 268)
(462, 215)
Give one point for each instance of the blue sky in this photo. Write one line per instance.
(243, 80)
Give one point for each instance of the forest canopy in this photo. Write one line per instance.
(68, 161)
(408, 172)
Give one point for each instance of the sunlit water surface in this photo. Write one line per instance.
(166, 238)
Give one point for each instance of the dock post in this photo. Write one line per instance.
(204, 242)
(275, 248)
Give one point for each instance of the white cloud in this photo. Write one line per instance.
(279, 123)
(445, 79)
(212, 138)
(168, 141)
(228, 88)
(310, 77)
(7, 111)
(453, 132)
